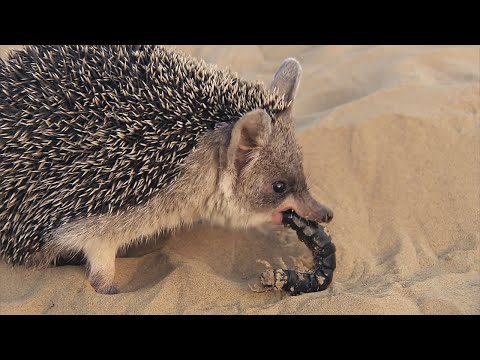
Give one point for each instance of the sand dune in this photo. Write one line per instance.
(391, 140)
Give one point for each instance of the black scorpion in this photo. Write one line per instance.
(320, 244)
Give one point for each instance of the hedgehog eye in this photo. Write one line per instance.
(279, 186)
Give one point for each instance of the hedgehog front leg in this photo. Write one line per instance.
(101, 267)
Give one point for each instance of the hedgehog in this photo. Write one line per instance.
(105, 146)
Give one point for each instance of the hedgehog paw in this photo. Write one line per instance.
(107, 290)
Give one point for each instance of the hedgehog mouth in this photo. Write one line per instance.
(279, 213)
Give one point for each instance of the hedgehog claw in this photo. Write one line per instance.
(108, 290)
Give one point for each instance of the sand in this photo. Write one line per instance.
(391, 140)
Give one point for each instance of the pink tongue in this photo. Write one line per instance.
(277, 218)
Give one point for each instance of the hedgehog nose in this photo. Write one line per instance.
(323, 214)
(328, 215)
(313, 210)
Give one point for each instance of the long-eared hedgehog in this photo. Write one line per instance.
(101, 146)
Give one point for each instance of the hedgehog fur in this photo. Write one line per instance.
(91, 130)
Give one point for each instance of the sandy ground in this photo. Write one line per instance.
(391, 141)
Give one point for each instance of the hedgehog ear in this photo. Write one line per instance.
(250, 133)
(287, 79)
